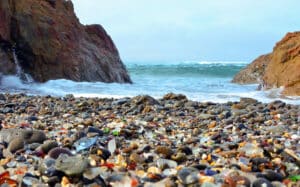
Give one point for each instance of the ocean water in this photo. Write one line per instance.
(199, 81)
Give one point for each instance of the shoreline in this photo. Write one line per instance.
(141, 141)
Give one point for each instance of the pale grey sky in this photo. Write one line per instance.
(177, 30)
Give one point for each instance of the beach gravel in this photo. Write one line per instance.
(143, 141)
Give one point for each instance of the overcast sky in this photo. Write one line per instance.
(180, 30)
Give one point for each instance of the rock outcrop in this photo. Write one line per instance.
(51, 43)
(281, 68)
(284, 68)
(253, 73)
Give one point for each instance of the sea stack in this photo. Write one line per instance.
(281, 68)
(49, 42)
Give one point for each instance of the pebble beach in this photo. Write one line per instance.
(142, 141)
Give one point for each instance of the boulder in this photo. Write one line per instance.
(281, 68)
(51, 43)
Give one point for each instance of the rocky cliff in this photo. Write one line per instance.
(281, 68)
(254, 72)
(51, 43)
(284, 67)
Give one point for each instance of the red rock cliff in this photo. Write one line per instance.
(284, 67)
(277, 69)
(51, 43)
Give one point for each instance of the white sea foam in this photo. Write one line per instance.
(12, 82)
(199, 88)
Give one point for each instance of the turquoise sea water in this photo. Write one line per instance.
(201, 81)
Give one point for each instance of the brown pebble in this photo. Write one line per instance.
(127, 150)
(179, 157)
(16, 144)
(55, 152)
(164, 150)
(88, 122)
(48, 145)
(212, 124)
(134, 157)
(36, 137)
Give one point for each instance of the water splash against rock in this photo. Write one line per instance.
(19, 71)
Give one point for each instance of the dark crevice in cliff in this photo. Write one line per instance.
(22, 49)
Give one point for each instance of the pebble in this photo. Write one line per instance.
(47, 146)
(261, 182)
(92, 173)
(71, 165)
(85, 143)
(28, 136)
(164, 150)
(188, 175)
(57, 151)
(16, 144)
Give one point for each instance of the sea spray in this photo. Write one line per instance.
(198, 81)
(19, 71)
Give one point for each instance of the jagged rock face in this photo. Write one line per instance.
(50, 43)
(253, 73)
(277, 69)
(284, 68)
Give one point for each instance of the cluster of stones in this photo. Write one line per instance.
(142, 141)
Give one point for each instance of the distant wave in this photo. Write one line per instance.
(191, 62)
(242, 63)
(187, 69)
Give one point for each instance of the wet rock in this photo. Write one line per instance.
(144, 99)
(28, 136)
(30, 181)
(179, 157)
(103, 153)
(272, 175)
(32, 118)
(188, 175)
(185, 149)
(16, 144)
(11, 164)
(57, 151)
(206, 116)
(85, 143)
(251, 150)
(47, 146)
(47, 167)
(172, 96)
(95, 130)
(51, 181)
(71, 165)
(248, 101)
(7, 110)
(164, 150)
(2, 96)
(92, 173)
(120, 101)
(136, 158)
(165, 163)
(261, 182)
(277, 184)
